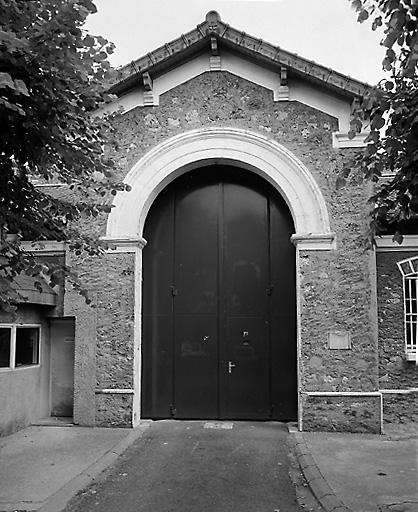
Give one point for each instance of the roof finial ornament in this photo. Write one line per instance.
(212, 17)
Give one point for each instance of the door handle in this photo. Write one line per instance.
(230, 366)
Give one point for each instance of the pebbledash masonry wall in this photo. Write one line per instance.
(338, 360)
(398, 377)
(104, 360)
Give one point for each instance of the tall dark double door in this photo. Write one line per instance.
(219, 319)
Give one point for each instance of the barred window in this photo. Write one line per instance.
(409, 271)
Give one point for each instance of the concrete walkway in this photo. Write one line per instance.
(43, 467)
(362, 472)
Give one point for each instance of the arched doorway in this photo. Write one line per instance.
(219, 305)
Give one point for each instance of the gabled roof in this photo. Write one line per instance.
(214, 35)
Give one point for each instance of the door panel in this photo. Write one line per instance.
(196, 367)
(157, 370)
(245, 235)
(247, 367)
(245, 283)
(196, 248)
(219, 300)
(157, 317)
(195, 301)
(283, 312)
(62, 366)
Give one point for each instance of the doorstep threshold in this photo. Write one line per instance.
(54, 421)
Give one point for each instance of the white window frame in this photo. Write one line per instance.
(12, 358)
(409, 270)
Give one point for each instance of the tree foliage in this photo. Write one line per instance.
(390, 113)
(53, 75)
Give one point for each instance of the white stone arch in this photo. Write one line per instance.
(195, 149)
(232, 146)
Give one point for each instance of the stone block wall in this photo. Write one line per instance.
(355, 413)
(104, 340)
(114, 410)
(400, 407)
(395, 371)
(335, 286)
(335, 298)
(223, 99)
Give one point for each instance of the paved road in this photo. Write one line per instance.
(194, 466)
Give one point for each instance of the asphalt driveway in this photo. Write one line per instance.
(190, 466)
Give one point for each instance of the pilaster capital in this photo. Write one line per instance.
(314, 241)
(120, 245)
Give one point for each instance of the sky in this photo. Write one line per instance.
(325, 31)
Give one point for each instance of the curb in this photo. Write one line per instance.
(60, 499)
(328, 500)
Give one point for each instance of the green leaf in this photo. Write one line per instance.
(377, 22)
(6, 81)
(363, 16)
(377, 122)
(20, 87)
(398, 237)
(52, 77)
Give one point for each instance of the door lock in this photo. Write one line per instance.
(230, 366)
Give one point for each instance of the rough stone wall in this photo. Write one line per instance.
(115, 328)
(335, 286)
(104, 339)
(114, 410)
(395, 372)
(336, 290)
(223, 99)
(400, 408)
(342, 413)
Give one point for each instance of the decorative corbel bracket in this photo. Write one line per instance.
(146, 77)
(214, 46)
(283, 92)
(215, 58)
(148, 92)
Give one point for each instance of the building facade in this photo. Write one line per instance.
(236, 284)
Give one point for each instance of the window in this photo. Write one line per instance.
(19, 346)
(5, 343)
(409, 271)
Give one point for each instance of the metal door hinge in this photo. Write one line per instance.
(173, 410)
(269, 290)
(174, 291)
